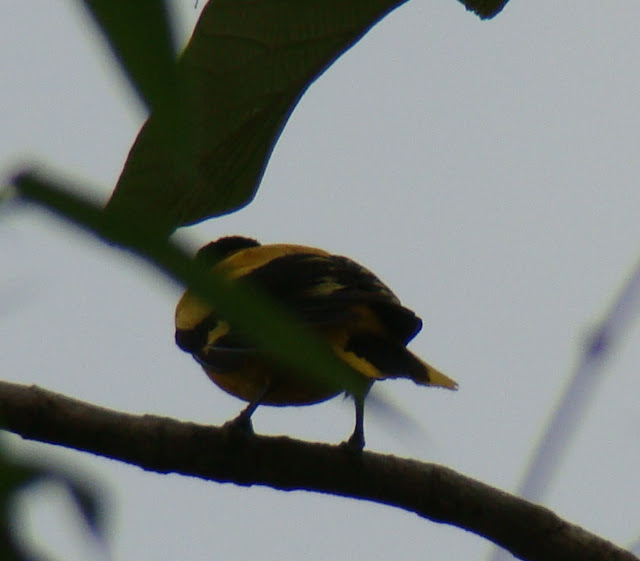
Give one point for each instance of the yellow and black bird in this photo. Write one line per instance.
(360, 318)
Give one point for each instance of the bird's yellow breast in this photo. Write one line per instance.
(258, 374)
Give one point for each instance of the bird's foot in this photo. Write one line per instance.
(240, 426)
(355, 444)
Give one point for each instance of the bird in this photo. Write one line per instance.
(344, 303)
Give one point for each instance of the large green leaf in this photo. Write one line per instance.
(242, 73)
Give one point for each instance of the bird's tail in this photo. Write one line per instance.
(431, 376)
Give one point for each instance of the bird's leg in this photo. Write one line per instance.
(243, 420)
(356, 440)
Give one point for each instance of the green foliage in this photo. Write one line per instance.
(18, 475)
(241, 75)
(203, 153)
(216, 115)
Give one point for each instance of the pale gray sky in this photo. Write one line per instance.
(487, 171)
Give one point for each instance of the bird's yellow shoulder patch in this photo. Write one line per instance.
(191, 311)
(247, 260)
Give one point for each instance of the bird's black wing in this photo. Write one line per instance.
(322, 290)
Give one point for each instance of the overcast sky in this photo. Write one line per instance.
(487, 171)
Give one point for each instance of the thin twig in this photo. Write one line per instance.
(572, 406)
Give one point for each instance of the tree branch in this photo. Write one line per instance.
(529, 531)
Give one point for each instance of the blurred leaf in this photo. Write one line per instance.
(14, 476)
(270, 326)
(9, 549)
(88, 501)
(139, 34)
(17, 475)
